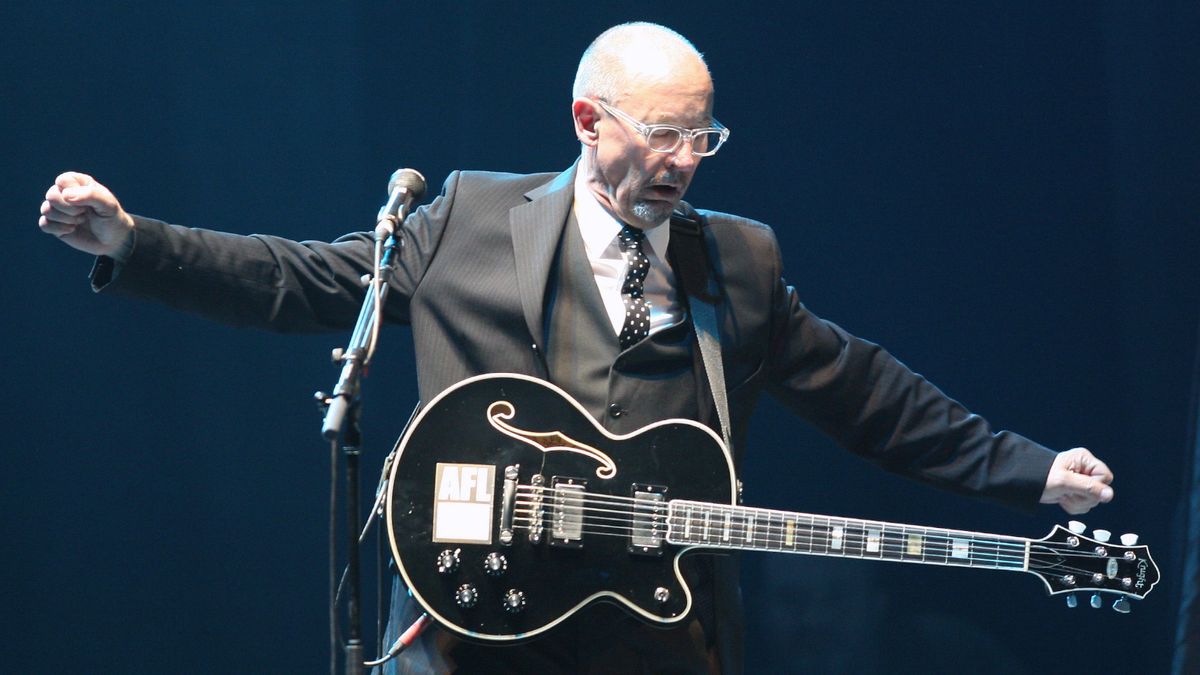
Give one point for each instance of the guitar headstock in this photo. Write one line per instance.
(1068, 561)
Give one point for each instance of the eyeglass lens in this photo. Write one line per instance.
(667, 139)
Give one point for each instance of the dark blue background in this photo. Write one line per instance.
(1004, 194)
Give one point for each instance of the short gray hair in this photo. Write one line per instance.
(602, 70)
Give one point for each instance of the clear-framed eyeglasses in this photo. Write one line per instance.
(668, 137)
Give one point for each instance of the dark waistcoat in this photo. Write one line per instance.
(623, 390)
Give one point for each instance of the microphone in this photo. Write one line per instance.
(405, 187)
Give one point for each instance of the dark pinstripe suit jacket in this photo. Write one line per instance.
(472, 282)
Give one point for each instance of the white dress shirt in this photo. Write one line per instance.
(599, 229)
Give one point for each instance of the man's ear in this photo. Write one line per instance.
(586, 114)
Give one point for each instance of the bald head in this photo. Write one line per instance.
(634, 75)
(637, 55)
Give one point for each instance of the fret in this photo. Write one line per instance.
(819, 536)
(960, 551)
(829, 537)
(894, 544)
(937, 547)
(914, 543)
(771, 531)
(803, 534)
(762, 529)
(984, 553)
(873, 541)
(853, 539)
(777, 521)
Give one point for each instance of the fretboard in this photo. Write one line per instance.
(738, 527)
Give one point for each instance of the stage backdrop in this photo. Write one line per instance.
(1004, 194)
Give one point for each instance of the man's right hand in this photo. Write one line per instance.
(86, 216)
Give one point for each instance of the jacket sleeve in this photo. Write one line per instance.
(270, 282)
(873, 405)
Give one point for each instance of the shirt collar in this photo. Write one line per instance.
(599, 228)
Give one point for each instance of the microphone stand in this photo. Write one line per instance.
(342, 415)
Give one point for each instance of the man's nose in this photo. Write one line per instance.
(683, 159)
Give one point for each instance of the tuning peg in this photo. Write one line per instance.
(1102, 535)
(1072, 601)
(1129, 539)
(1096, 602)
(1076, 527)
(1122, 605)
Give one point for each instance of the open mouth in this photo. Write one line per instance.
(666, 192)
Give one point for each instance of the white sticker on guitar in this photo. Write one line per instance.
(462, 504)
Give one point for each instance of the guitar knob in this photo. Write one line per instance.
(1076, 527)
(1072, 601)
(1122, 605)
(466, 596)
(514, 601)
(1129, 539)
(495, 564)
(447, 561)
(1101, 535)
(1096, 602)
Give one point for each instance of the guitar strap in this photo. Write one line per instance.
(704, 293)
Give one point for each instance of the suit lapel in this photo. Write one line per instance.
(537, 227)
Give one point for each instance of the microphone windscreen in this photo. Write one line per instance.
(411, 180)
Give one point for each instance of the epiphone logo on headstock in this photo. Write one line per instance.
(1141, 574)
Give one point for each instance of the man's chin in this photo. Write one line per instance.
(654, 211)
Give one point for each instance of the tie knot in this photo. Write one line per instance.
(630, 238)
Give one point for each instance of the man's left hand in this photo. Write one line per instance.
(1078, 481)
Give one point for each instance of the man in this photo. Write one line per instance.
(575, 278)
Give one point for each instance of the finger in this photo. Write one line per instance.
(73, 179)
(60, 218)
(95, 196)
(1087, 488)
(64, 212)
(1096, 468)
(58, 202)
(55, 228)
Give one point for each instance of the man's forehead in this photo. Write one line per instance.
(658, 104)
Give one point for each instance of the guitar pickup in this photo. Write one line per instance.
(567, 498)
(649, 519)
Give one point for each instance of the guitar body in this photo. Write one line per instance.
(509, 509)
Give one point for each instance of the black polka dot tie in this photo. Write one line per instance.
(637, 307)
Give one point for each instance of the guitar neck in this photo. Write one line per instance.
(720, 526)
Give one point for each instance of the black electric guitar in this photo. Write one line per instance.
(509, 509)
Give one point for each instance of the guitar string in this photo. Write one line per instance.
(975, 560)
(984, 551)
(990, 561)
(739, 535)
(570, 496)
(740, 532)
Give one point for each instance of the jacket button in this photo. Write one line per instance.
(615, 410)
